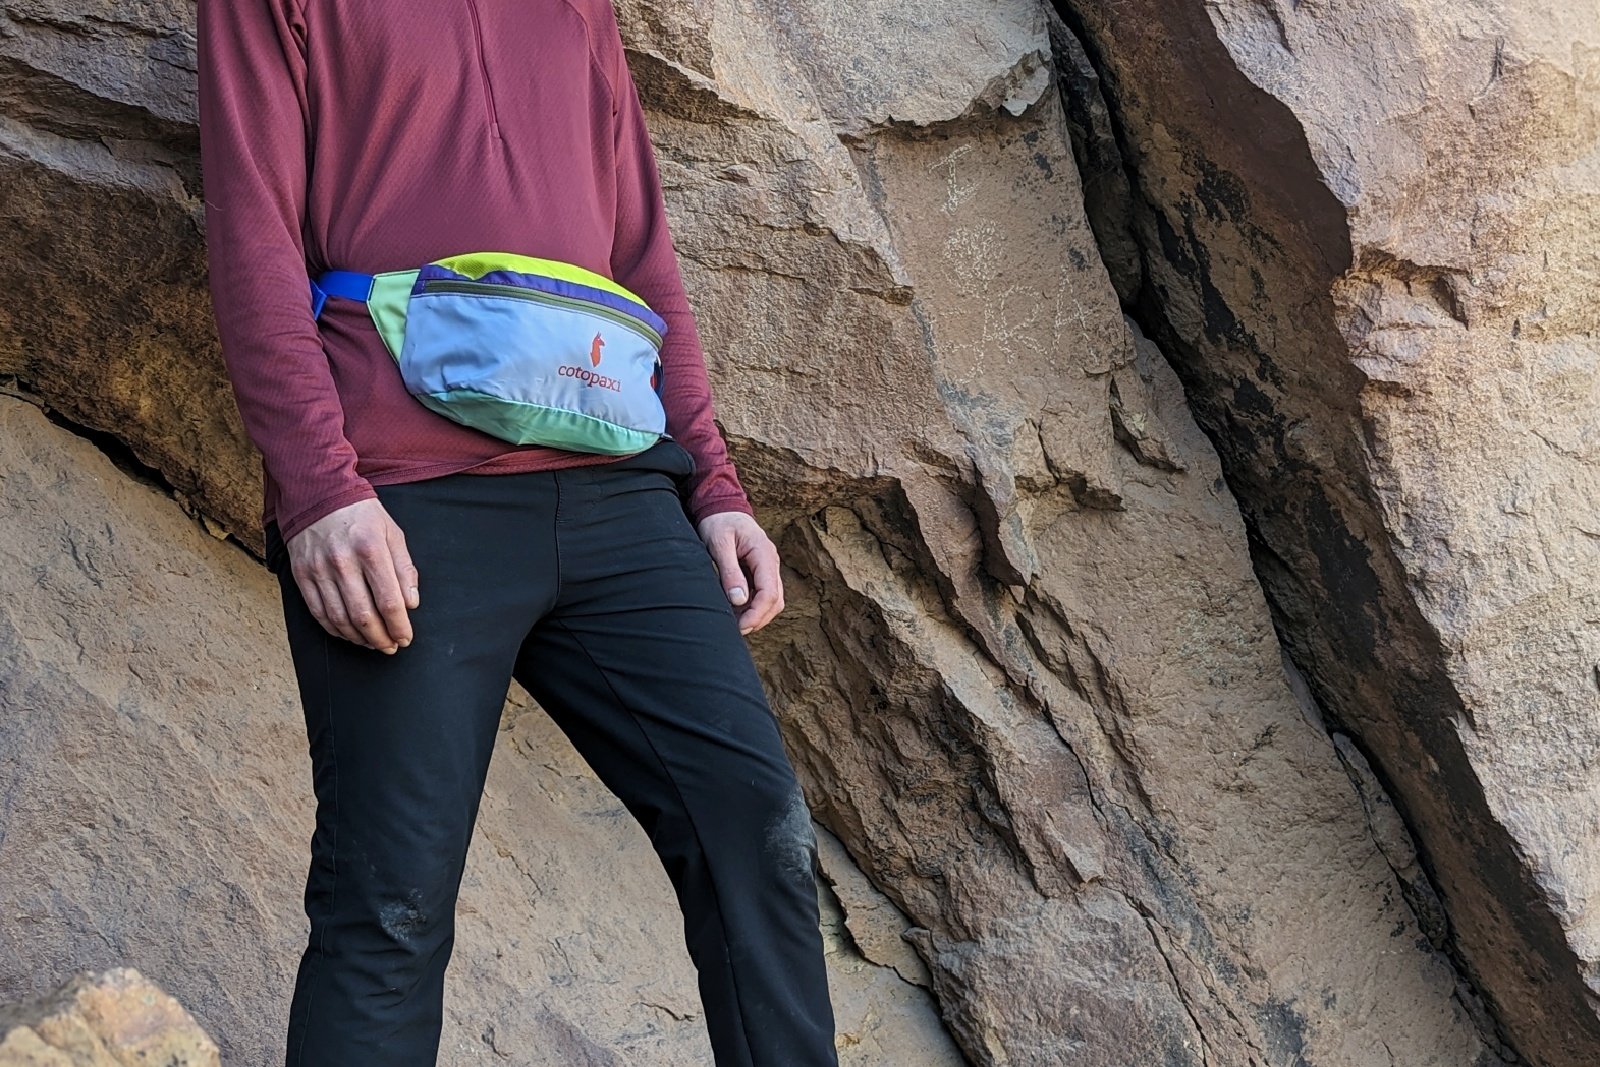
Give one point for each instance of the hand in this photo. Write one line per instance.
(734, 539)
(356, 576)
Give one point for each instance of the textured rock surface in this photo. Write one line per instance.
(112, 1019)
(100, 197)
(1027, 671)
(1026, 668)
(1372, 237)
(157, 805)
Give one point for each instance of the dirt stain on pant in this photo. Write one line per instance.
(790, 840)
(403, 919)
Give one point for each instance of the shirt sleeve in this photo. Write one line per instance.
(252, 104)
(644, 260)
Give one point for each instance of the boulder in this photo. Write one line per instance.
(116, 1018)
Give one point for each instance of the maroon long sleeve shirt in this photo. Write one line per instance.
(376, 135)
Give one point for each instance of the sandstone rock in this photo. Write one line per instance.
(113, 1019)
(157, 808)
(1027, 671)
(1372, 241)
(1026, 668)
(101, 217)
(1107, 198)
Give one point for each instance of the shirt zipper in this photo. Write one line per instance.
(483, 69)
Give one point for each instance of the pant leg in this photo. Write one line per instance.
(641, 664)
(400, 747)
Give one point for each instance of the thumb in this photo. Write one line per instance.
(724, 552)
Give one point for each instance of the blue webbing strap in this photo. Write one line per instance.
(352, 285)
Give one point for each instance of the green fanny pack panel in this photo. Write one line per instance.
(530, 350)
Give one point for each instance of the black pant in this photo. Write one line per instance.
(592, 589)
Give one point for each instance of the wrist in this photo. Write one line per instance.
(722, 506)
(292, 524)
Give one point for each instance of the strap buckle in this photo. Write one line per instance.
(350, 284)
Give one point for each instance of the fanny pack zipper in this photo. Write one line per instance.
(621, 318)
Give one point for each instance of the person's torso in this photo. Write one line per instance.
(446, 126)
(439, 127)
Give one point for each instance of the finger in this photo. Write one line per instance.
(777, 604)
(383, 584)
(312, 595)
(769, 591)
(725, 554)
(405, 571)
(337, 618)
(358, 605)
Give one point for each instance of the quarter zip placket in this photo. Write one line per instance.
(483, 69)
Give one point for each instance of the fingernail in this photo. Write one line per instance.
(737, 594)
(744, 629)
(413, 592)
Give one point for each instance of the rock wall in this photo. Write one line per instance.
(101, 218)
(1370, 239)
(1028, 671)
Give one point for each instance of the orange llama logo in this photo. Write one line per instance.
(587, 376)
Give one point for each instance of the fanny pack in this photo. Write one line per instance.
(533, 351)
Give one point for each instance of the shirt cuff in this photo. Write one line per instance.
(289, 525)
(717, 505)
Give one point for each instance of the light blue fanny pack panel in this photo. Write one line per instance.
(538, 359)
